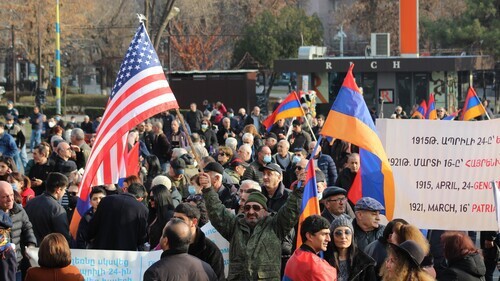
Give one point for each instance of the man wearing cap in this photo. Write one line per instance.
(255, 235)
(298, 138)
(253, 172)
(8, 146)
(236, 169)
(325, 163)
(21, 231)
(12, 111)
(336, 206)
(277, 195)
(366, 223)
(216, 171)
(271, 141)
(176, 174)
(305, 264)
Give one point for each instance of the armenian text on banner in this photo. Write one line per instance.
(443, 171)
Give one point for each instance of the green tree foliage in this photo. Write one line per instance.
(476, 30)
(274, 37)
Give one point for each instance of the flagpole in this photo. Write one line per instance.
(305, 117)
(190, 142)
(58, 61)
(289, 132)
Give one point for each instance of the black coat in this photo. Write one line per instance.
(363, 266)
(41, 172)
(161, 147)
(206, 250)
(470, 268)
(120, 223)
(47, 216)
(178, 266)
(21, 232)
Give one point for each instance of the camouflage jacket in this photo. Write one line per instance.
(254, 254)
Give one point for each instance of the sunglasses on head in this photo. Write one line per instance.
(340, 232)
(254, 207)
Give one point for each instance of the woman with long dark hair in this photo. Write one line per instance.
(161, 210)
(153, 168)
(342, 253)
(464, 260)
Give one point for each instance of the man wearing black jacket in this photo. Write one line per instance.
(200, 246)
(175, 262)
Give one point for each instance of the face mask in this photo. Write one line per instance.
(58, 118)
(14, 186)
(204, 127)
(23, 122)
(231, 115)
(51, 124)
(191, 189)
(320, 196)
(267, 159)
(295, 159)
(8, 125)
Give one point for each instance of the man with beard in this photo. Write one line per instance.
(255, 235)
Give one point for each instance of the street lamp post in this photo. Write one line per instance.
(14, 62)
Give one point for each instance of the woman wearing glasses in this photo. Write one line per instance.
(224, 156)
(342, 253)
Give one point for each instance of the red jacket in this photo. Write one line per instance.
(305, 265)
(68, 273)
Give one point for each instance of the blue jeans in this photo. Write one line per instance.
(24, 156)
(36, 138)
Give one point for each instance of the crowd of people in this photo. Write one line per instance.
(221, 167)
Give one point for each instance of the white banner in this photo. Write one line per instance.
(221, 242)
(100, 265)
(443, 171)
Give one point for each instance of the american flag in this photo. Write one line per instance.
(140, 91)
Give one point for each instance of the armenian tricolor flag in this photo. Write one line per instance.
(290, 107)
(452, 116)
(472, 106)
(431, 108)
(350, 120)
(310, 202)
(421, 111)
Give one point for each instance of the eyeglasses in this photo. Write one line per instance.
(254, 207)
(299, 168)
(340, 232)
(223, 154)
(72, 193)
(343, 199)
